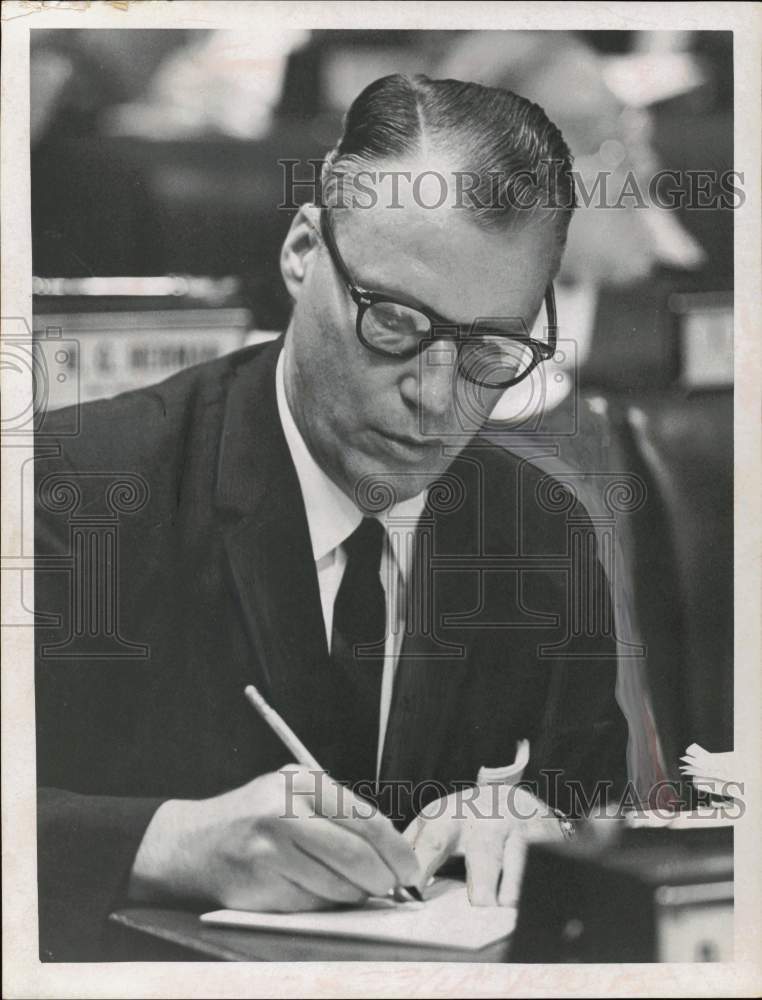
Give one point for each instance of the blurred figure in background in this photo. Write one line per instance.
(219, 83)
(601, 106)
(92, 212)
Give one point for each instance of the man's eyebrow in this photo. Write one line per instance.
(406, 299)
(474, 324)
(403, 298)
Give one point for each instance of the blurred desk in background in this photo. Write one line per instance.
(96, 337)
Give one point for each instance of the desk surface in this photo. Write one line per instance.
(568, 881)
(148, 933)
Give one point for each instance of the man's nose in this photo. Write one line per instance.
(430, 384)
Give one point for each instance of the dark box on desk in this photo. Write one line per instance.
(654, 896)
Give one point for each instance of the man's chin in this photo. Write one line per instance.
(380, 488)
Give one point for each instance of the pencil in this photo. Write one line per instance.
(301, 754)
(282, 729)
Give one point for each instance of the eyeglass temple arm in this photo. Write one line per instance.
(327, 235)
(549, 349)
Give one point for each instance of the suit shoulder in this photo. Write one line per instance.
(503, 466)
(142, 427)
(522, 500)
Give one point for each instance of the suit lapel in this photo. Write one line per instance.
(270, 556)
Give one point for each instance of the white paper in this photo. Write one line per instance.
(445, 919)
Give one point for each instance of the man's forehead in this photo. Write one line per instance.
(419, 193)
(440, 254)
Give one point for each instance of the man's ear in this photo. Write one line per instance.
(301, 239)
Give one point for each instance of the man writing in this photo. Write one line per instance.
(278, 484)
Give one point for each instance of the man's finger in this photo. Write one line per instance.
(289, 897)
(434, 838)
(514, 862)
(343, 854)
(483, 843)
(278, 895)
(307, 868)
(338, 804)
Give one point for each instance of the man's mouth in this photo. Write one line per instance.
(407, 446)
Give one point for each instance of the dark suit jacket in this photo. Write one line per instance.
(159, 599)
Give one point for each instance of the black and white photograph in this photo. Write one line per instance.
(381, 499)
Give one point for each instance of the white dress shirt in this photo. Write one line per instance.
(331, 518)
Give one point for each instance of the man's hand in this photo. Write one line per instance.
(492, 826)
(289, 840)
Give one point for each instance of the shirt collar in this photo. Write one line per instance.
(331, 515)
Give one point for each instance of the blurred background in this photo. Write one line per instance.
(157, 153)
(156, 187)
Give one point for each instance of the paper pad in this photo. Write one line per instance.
(445, 919)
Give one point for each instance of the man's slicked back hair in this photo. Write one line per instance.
(516, 157)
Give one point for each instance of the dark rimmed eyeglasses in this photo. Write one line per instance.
(493, 352)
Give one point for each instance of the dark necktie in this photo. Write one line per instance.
(357, 652)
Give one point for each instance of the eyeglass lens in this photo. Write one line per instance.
(490, 354)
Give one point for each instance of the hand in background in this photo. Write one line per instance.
(289, 840)
(492, 825)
